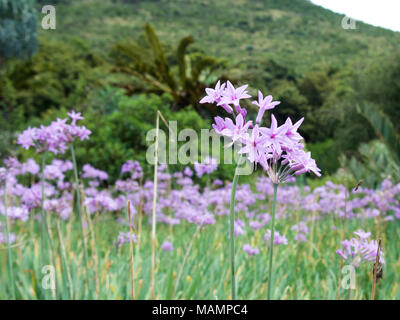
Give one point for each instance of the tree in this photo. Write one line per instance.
(147, 60)
(18, 29)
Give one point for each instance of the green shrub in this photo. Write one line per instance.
(326, 155)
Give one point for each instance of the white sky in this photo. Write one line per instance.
(382, 13)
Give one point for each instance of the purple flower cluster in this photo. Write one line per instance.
(187, 202)
(208, 166)
(90, 172)
(250, 250)
(181, 200)
(125, 237)
(278, 149)
(301, 230)
(278, 238)
(356, 251)
(167, 246)
(11, 237)
(3, 236)
(56, 136)
(134, 168)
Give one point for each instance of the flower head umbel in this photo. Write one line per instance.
(250, 250)
(279, 149)
(54, 137)
(278, 238)
(27, 138)
(358, 251)
(167, 246)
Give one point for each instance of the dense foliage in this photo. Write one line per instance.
(18, 29)
(79, 194)
(318, 71)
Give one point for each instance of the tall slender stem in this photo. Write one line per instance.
(271, 247)
(153, 219)
(232, 230)
(43, 219)
(65, 261)
(93, 247)
(46, 240)
(375, 271)
(78, 200)
(47, 250)
(9, 253)
(131, 251)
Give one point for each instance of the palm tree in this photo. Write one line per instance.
(147, 61)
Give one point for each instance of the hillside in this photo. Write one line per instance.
(296, 33)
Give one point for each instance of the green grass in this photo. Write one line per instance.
(301, 270)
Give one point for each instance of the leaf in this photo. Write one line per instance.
(383, 127)
(183, 44)
(159, 58)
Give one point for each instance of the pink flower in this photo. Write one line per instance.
(219, 125)
(30, 166)
(250, 251)
(291, 131)
(214, 95)
(167, 246)
(75, 117)
(275, 136)
(209, 165)
(233, 96)
(238, 130)
(264, 104)
(90, 172)
(304, 163)
(357, 251)
(27, 138)
(54, 137)
(254, 145)
(278, 238)
(362, 234)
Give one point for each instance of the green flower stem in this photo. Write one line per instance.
(232, 230)
(78, 200)
(271, 247)
(66, 274)
(43, 250)
(9, 253)
(47, 250)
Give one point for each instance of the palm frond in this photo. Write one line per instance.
(383, 127)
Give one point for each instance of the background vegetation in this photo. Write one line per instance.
(119, 61)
